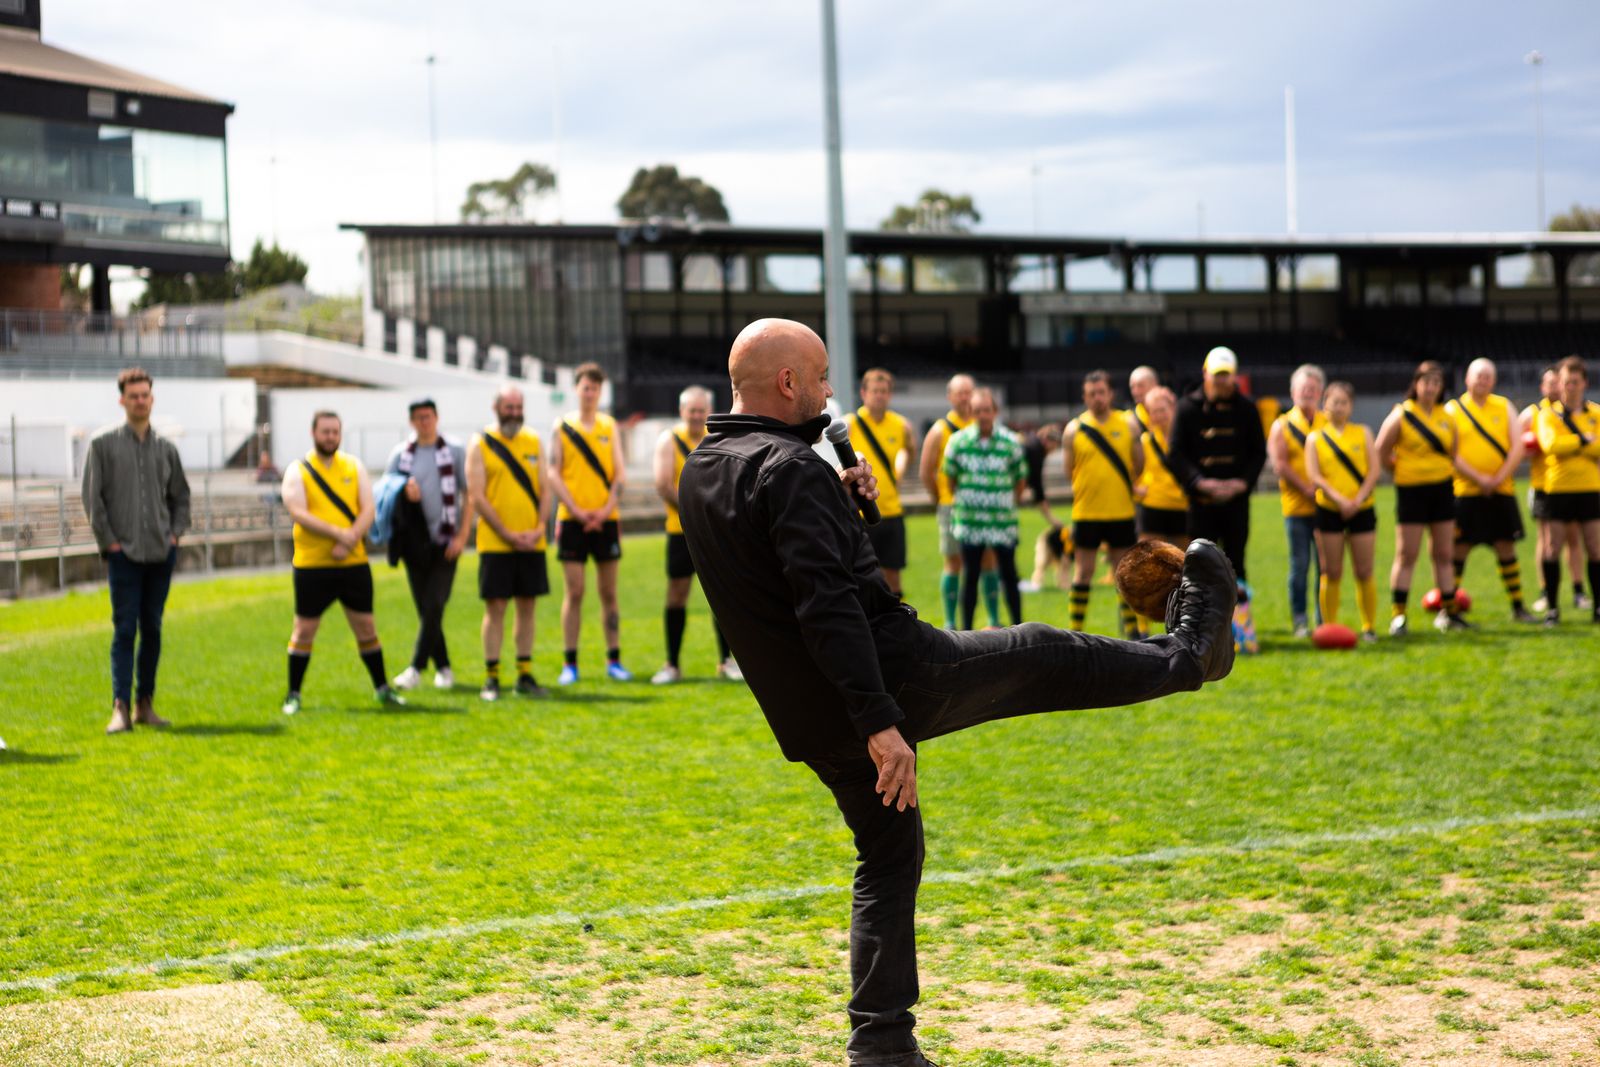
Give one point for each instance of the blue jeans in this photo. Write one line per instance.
(1302, 539)
(138, 599)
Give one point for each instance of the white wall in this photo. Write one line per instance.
(43, 449)
(207, 418)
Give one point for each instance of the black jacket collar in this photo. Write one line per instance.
(809, 431)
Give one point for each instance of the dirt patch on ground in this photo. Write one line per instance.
(236, 1023)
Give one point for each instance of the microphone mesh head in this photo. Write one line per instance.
(837, 431)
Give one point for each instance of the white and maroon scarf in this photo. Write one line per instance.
(444, 458)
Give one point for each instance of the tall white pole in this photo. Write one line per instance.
(1536, 58)
(835, 246)
(1291, 195)
(433, 139)
(555, 123)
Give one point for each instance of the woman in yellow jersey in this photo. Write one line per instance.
(1544, 546)
(1163, 508)
(1569, 435)
(1286, 448)
(1342, 463)
(1418, 442)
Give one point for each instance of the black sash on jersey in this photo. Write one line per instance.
(1461, 406)
(1161, 454)
(586, 452)
(1426, 434)
(1299, 434)
(1099, 441)
(683, 446)
(877, 449)
(1144, 427)
(518, 471)
(1566, 417)
(1338, 454)
(327, 490)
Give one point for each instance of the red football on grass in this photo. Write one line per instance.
(1333, 635)
(1530, 442)
(1432, 599)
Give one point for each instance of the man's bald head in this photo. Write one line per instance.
(1141, 381)
(959, 392)
(508, 409)
(1481, 376)
(779, 368)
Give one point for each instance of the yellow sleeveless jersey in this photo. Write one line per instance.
(1352, 441)
(1296, 429)
(1538, 463)
(1161, 488)
(1098, 492)
(1499, 422)
(947, 492)
(1574, 467)
(505, 494)
(1141, 416)
(894, 437)
(682, 445)
(343, 475)
(1416, 462)
(580, 478)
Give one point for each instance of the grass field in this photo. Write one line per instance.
(1376, 857)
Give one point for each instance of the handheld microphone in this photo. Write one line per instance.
(838, 434)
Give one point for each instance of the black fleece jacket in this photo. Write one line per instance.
(792, 579)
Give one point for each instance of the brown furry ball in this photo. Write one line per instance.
(1147, 576)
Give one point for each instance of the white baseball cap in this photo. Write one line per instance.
(1221, 360)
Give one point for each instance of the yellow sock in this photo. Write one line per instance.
(1078, 609)
(1328, 594)
(1367, 601)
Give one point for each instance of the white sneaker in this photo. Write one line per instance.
(729, 669)
(1397, 626)
(1540, 606)
(407, 679)
(444, 678)
(1027, 585)
(1583, 602)
(666, 675)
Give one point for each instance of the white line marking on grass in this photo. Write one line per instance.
(1287, 842)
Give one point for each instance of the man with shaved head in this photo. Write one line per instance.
(1486, 461)
(850, 681)
(1140, 382)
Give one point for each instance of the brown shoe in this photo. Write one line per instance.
(120, 722)
(144, 713)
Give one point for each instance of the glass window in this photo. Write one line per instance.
(791, 274)
(1032, 274)
(1312, 274)
(1097, 275)
(1584, 270)
(738, 274)
(702, 273)
(1527, 270)
(891, 274)
(1242, 274)
(947, 274)
(1174, 274)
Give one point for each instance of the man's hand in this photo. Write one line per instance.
(346, 538)
(454, 549)
(897, 768)
(413, 490)
(174, 540)
(1210, 488)
(115, 546)
(340, 550)
(860, 476)
(525, 541)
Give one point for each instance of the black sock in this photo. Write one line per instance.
(722, 642)
(1594, 578)
(613, 655)
(373, 658)
(298, 662)
(1552, 581)
(677, 619)
(1577, 587)
(1460, 568)
(572, 657)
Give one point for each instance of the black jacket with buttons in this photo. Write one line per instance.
(1217, 439)
(785, 563)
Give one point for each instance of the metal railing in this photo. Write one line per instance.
(94, 334)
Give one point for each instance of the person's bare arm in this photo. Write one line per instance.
(928, 468)
(1388, 437)
(478, 492)
(617, 479)
(1068, 452)
(663, 468)
(557, 485)
(1370, 482)
(1136, 451)
(366, 510)
(906, 456)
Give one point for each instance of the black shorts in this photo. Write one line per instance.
(1113, 533)
(679, 563)
(1167, 522)
(889, 542)
(317, 588)
(1483, 520)
(1538, 504)
(508, 575)
(1573, 507)
(1330, 521)
(574, 544)
(1423, 504)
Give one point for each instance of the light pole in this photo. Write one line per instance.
(433, 137)
(835, 246)
(1536, 59)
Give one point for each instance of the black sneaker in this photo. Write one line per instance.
(490, 691)
(1200, 613)
(527, 687)
(1523, 615)
(1552, 617)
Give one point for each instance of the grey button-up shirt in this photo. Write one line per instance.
(135, 494)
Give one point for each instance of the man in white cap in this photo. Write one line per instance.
(1217, 452)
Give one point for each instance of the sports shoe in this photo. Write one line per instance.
(444, 678)
(1200, 612)
(291, 704)
(1369, 637)
(667, 675)
(121, 721)
(409, 678)
(1583, 602)
(144, 713)
(1301, 630)
(1523, 615)
(387, 697)
(729, 670)
(1540, 606)
(1552, 617)
(1444, 622)
(1397, 626)
(527, 687)
(1027, 585)
(618, 673)
(490, 691)
(569, 674)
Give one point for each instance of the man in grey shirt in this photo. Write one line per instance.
(137, 500)
(430, 526)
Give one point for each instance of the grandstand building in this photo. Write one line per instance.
(658, 303)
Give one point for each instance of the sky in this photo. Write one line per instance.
(1129, 118)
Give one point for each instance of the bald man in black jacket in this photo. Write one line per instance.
(850, 680)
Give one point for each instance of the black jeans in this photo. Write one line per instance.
(431, 578)
(1228, 524)
(972, 565)
(952, 681)
(138, 600)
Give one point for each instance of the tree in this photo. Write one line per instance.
(1585, 269)
(934, 212)
(662, 191)
(267, 267)
(508, 199)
